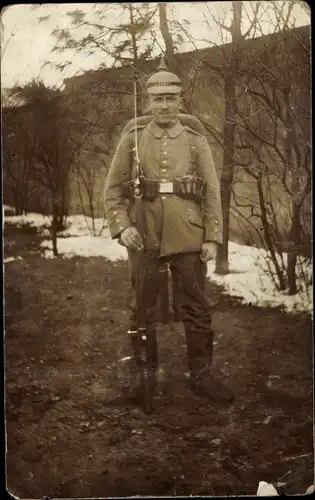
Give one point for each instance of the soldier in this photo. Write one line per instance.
(181, 227)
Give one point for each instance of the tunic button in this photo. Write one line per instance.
(121, 228)
(115, 212)
(164, 170)
(164, 161)
(163, 197)
(164, 180)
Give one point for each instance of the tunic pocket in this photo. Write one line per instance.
(195, 219)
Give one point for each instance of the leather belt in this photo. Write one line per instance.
(191, 189)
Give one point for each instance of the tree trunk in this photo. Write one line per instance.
(18, 206)
(222, 261)
(267, 235)
(294, 247)
(167, 37)
(54, 229)
(54, 236)
(295, 232)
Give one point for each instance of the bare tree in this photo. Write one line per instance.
(230, 72)
(274, 128)
(93, 136)
(18, 157)
(122, 43)
(52, 150)
(266, 121)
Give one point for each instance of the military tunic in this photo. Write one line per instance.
(173, 224)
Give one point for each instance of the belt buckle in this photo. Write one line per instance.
(166, 187)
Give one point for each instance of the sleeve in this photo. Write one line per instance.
(212, 208)
(114, 202)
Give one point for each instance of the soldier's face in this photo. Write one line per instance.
(164, 108)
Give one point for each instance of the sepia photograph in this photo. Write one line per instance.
(157, 249)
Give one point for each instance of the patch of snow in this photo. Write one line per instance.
(31, 219)
(7, 260)
(126, 358)
(88, 246)
(80, 225)
(76, 225)
(7, 209)
(48, 254)
(249, 278)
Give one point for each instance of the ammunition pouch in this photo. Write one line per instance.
(190, 188)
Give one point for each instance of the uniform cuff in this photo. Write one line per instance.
(213, 231)
(118, 223)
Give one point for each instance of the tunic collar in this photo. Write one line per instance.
(172, 132)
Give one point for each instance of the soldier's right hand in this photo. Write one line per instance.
(130, 238)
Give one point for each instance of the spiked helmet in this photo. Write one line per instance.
(163, 81)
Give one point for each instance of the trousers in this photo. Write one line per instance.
(189, 274)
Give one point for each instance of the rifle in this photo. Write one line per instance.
(139, 336)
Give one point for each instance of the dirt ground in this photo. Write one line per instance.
(70, 430)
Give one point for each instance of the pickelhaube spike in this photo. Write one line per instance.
(162, 66)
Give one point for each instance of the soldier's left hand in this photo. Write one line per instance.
(208, 251)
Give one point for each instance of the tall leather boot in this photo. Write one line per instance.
(201, 380)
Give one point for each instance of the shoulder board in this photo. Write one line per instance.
(134, 127)
(189, 129)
